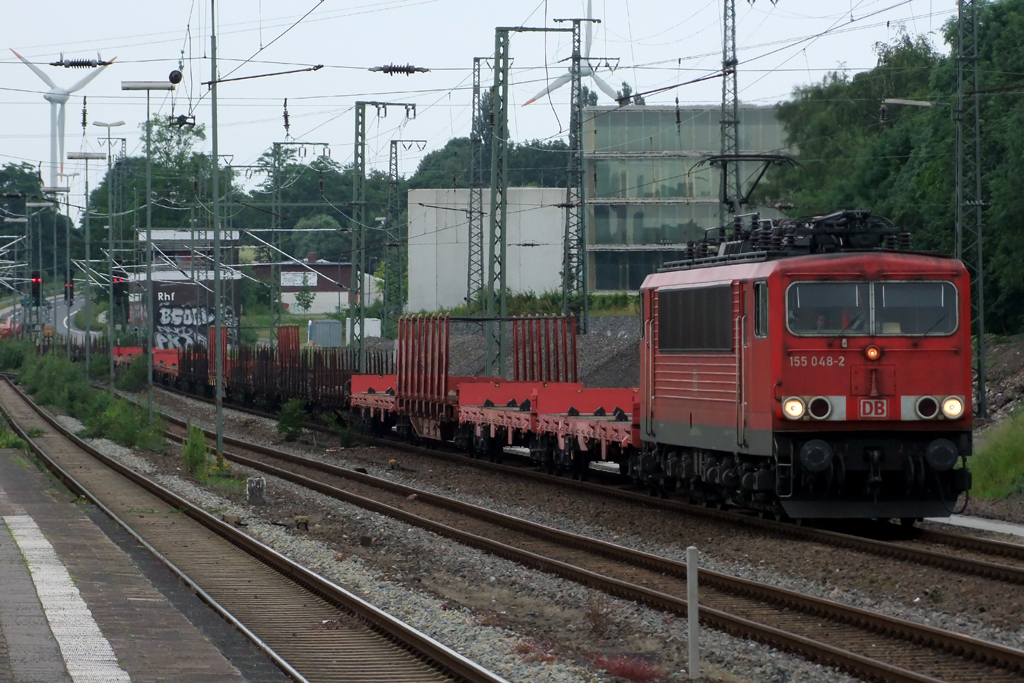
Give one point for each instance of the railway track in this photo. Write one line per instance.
(872, 646)
(961, 553)
(312, 629)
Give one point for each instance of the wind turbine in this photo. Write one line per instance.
(586, 70)
(58, 97)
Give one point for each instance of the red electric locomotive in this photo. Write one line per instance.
(813, 368)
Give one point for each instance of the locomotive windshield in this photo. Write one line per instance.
(914, 308)
(908, 309)
(828, 308)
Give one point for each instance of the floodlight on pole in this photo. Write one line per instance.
(67, 255)
(915, 103)
(86, 156)
(110, 247)
(148, 87)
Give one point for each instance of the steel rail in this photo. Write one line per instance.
(898, 629)
(442, 657)
(893, 550)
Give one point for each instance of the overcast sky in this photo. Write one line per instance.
(655, 43)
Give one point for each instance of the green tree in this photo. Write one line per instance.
(304, 297)
(589, 97)
(904, 167)
(23, 178)
(626, 96)
(330, 242)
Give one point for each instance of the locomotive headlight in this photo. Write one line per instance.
(794, 408)
(873, 352)
(952, 407)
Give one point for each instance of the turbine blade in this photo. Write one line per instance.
(60, 137)
(552, 86)
(39, 72)
(85, 81)
(590, 29)
(605, 88)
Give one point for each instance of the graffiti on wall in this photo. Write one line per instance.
(179, 326)
(184, 316)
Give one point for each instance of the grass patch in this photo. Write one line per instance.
(224, 482)
(998, 463)
(134, 376)
(217, 476)
(292, 418)
(9, 439)
(125, 423)
(95, 309)
(339, 427)
(13, 353)
(193, 451)
(56, 382)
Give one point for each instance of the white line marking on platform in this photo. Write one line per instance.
(87, 654)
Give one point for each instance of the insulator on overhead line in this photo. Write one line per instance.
(392, 69)
(79, 63)
(287, 123)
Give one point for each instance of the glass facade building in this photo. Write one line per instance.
(645, 196)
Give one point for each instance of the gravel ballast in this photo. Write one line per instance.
(523, 624)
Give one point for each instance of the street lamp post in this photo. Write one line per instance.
(218, 286)
(110, 243)
(962, 207)
(86, 156)
(66, 190)
(149, 86)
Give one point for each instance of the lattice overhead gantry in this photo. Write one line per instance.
(357, 302)
(969, 198)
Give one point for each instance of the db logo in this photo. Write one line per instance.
(876, 408)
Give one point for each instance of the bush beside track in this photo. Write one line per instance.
(998, 463)
(56, 382)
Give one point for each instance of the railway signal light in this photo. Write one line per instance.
(120, 288)
(69, 291)
(37, 288)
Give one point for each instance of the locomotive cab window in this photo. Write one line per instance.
(828, 308)
(914, 308)
(760, 310)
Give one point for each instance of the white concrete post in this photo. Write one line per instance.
(693, 623)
